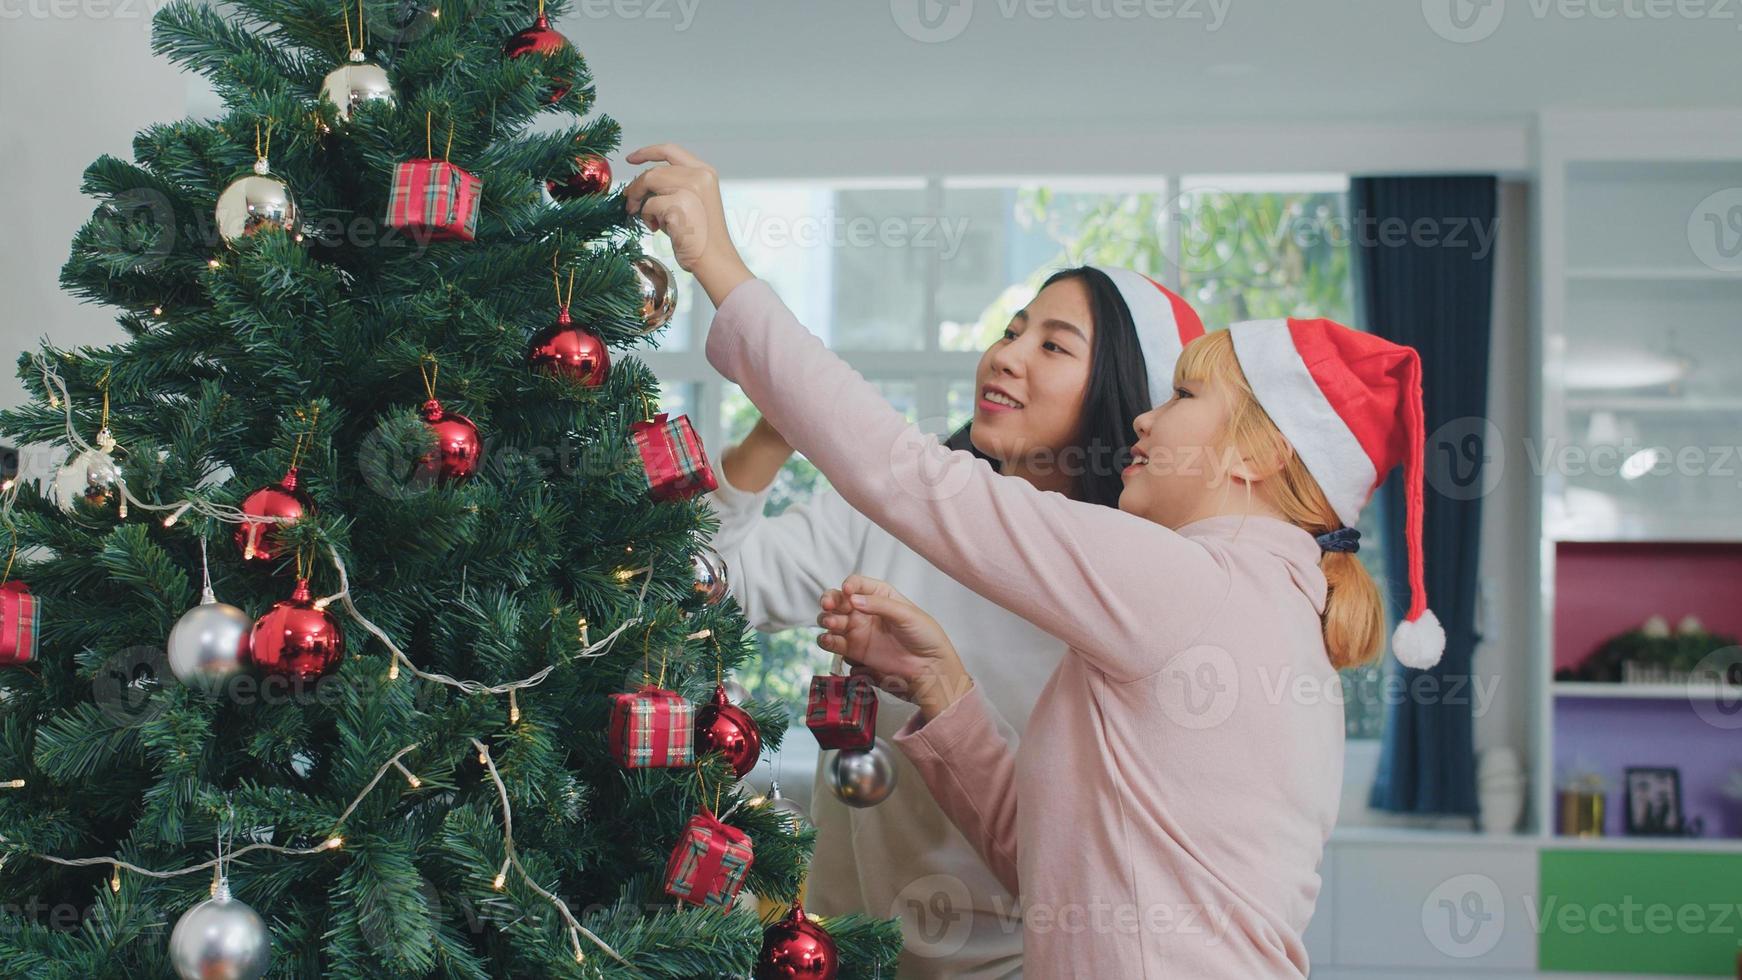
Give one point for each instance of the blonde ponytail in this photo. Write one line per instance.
(1354, 619)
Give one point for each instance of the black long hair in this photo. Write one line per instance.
(1118, 392)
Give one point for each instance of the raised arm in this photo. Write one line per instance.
(1119, 588)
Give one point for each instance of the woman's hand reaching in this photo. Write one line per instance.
(682, 199)
(887, 638)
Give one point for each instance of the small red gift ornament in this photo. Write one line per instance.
(652, 728)
(672, 455)
(709, 863)
(434, 200)
(20, 613)
(842, 712)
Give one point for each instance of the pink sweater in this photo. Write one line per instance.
(1166, 811)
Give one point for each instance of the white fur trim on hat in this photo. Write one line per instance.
(1286, 389)
(1157, 327)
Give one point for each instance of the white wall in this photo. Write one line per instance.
(77, 79)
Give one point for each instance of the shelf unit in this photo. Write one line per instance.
(1638, 358)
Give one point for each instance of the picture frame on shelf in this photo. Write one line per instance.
(1654, 802)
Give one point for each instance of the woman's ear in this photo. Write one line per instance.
(1255, 468)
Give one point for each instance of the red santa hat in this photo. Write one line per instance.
(1350, 404)
(1165, 322)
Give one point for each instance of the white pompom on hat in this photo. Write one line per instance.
(1165, 322)
(1350, 404)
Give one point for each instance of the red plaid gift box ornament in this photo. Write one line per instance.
(20, 613)
(842, 712)
(672, 455)
(434, 200)
(652, 728)
(709, 863)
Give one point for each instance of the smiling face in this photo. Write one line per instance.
(1030, 384)
(1194, 450)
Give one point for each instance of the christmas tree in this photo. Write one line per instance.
(314, 645)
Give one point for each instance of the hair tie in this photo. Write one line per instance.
(1344, 539)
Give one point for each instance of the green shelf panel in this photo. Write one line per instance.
(1658, 912)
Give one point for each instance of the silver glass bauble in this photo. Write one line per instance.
(355, 82)
(708, 574)
(209, 644)
(92, 476)
(863, 778)
(257, 201)
(220, 939)
(658, 293)
(796, 819)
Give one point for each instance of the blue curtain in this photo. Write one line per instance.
(1425, 273)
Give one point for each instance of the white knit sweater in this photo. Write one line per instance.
(904, 857)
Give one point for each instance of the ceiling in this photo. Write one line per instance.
(731, 67)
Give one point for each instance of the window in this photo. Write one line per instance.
(910, 280)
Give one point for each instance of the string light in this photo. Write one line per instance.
(115, 880)
(176, 514)
(410, 777)
(332, 843)
(12, 784)
(513, 709)
(157, 311)
(511, 859)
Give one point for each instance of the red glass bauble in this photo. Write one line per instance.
(540, 39)
(795, 948)
(259, 540)
(723, 727)
(296, 640)
(458, 450)
(592, 176)
(572, 352)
